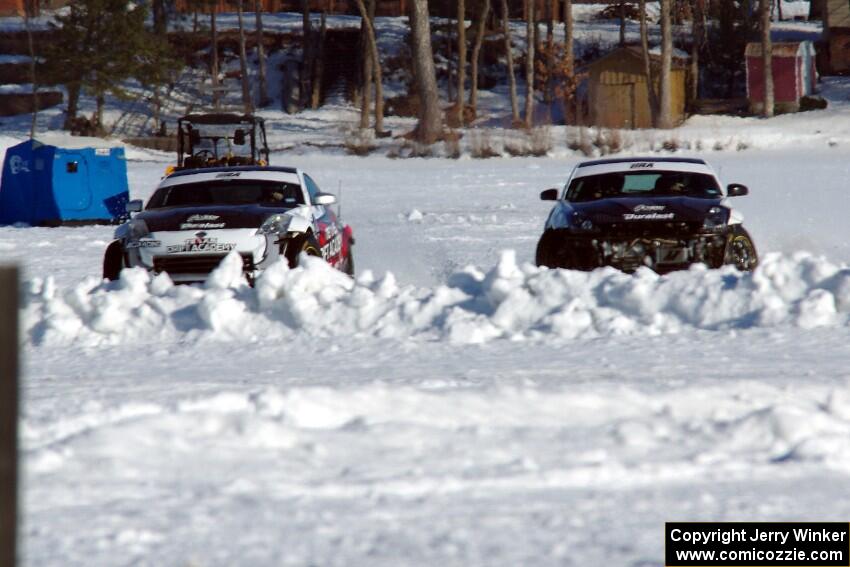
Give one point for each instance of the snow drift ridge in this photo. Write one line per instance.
(508, 301)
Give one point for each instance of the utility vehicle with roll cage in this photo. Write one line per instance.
(220, 140)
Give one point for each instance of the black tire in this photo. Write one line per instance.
(740, 250)
(306, 243)
(349, 263)
(543, 254)
(113, 261)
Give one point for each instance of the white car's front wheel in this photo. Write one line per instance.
(113, 261)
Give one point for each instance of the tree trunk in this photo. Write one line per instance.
(28, 13)
(262, 88)
(214, 59)
(767, 58)
(306, 52)
(647, 65)
(243, 63)
(450, 95)
(160, 17)
(569, 36)
(622, 24)
(73, 104)
(698, 30)
(366, 78)
(430, 126)
(665, 114)
(461, 59)
(551, 8)
(372, 66)
(509, 54)
(100, 102)
(316, 97)
(530, 25)
(480, 31)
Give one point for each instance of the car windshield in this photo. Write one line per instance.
(643, 184)
(270, 193)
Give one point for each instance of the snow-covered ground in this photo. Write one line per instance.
(432, 413)
(453, 405)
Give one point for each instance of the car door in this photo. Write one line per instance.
(326, 225)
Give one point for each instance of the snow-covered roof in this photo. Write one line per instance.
(66, 140)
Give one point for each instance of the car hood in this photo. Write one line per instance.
(625, 209)
(208, 217)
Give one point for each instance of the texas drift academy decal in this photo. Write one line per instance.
(201, 245)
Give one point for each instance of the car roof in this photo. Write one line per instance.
(641, 159)
(635, 164)
(250, 172)
(234, 168)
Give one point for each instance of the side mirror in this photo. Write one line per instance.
(324, 199)
(133, 206)
(736, 190)
(239, 137)
(549, 195)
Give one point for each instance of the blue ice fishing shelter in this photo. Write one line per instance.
(49, 185)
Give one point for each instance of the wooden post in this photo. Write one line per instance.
(8, 415)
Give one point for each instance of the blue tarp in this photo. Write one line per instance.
(48, 185)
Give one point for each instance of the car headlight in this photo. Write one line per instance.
(137, 228)
(275, 224)
(579, 221)
(715, 218)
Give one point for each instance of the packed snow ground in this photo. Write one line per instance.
(428, 412)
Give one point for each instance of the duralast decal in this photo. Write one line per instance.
(201, 245)
(199, 222)
(648, 216)
(200, 225)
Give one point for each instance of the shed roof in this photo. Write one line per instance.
(779, 49)
(636, 52)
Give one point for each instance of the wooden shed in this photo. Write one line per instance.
(794, 75)
(617, 94)
(836, 35)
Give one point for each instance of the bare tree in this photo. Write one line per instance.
(461, 59)
(480, 31)
(263, 93)
(430, 126)
(214, 58)
(698, 32)
(319, 63)
(550, 49)
(530, 25)
(368, 17)
(30, 9)
(509, 55)
(647, 65)
(767, 58)
(665, 110)
(366, 73)
(247, 104)
(306, 52)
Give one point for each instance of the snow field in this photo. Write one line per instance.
(472, 306)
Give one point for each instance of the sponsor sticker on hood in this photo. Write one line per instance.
(648, 212)
(201, 222)
(201, 245)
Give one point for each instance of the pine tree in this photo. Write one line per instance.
(98, 46)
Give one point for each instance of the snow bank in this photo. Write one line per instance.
(509, 301)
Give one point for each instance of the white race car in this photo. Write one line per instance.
(196, 217)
